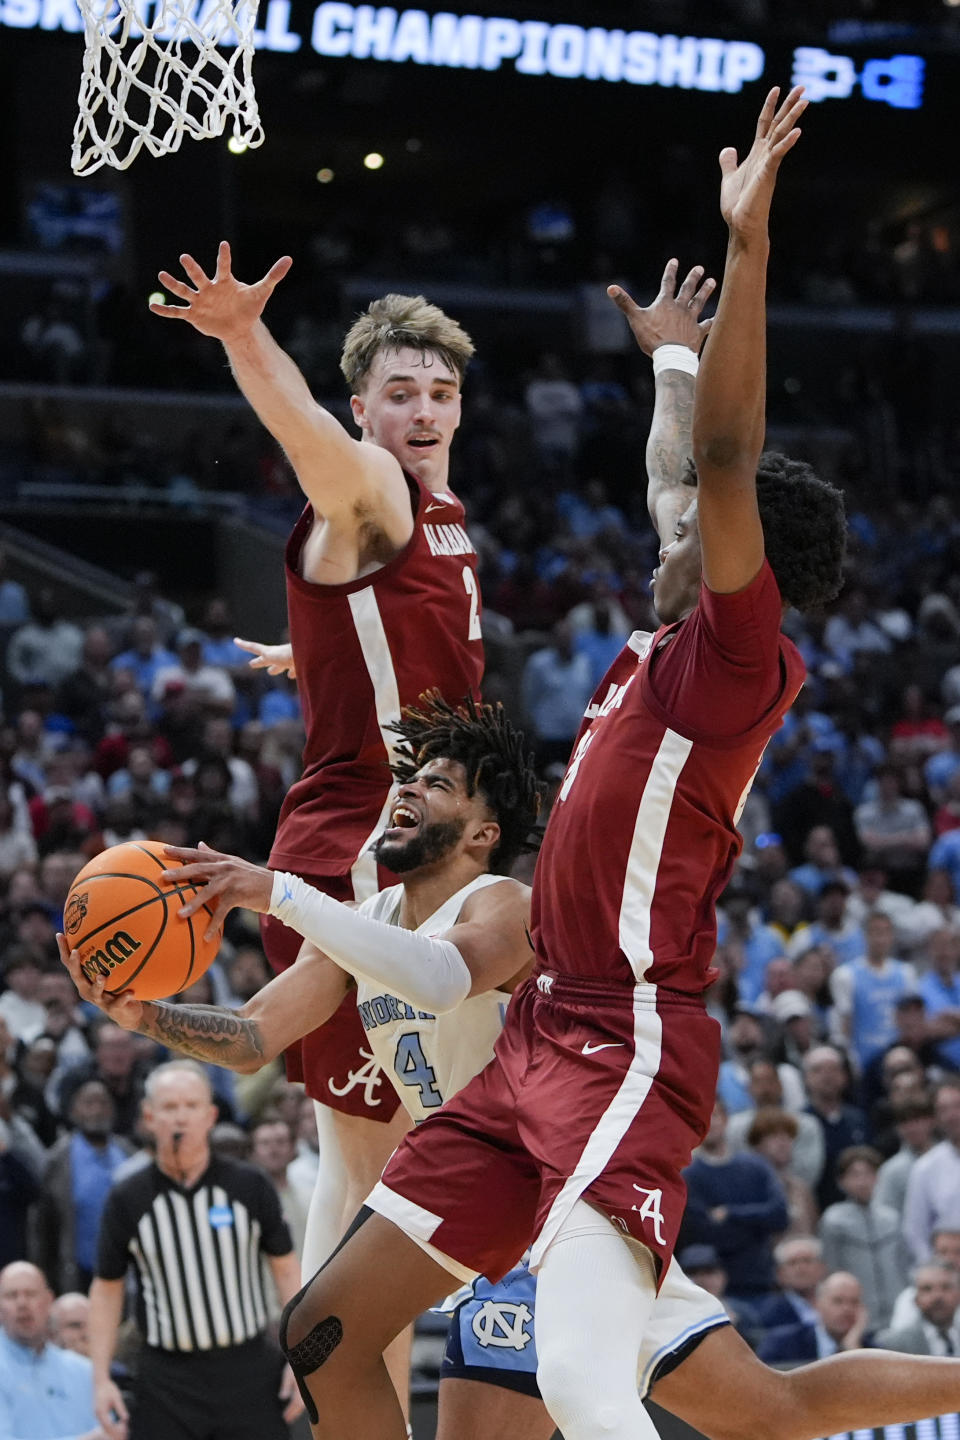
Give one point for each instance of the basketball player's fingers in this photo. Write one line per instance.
(787, 143)
(786, 123)
(697, 302)
(175, 286)
(705, 326)
(622, 300)
(196, 272)
(276, 273)
(765, 118)
(782, 119)
(689, 287)
(223, 260)
(668, 280)
(169, 312)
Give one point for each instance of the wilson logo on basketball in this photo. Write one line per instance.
(75, 913)
(117, 949)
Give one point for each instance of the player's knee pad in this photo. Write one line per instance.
(308, 1354)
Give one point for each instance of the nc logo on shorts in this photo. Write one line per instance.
(220, 1216)
(502, 1325)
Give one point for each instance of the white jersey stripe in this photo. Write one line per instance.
(646, 850)
(615, 1121)
(375, 649)
(228, 1261)
(258, 1265)
(171, 1268)
(218, 1313)
(152, 1299)
(241, 1228)
(191, 1271)
(148, 1243)
(418, 1223)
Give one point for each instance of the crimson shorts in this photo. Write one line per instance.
(334, 1062)
(596, 1091)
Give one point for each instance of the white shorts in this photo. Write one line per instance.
(681, 1312)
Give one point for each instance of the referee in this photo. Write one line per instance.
(197, 1227)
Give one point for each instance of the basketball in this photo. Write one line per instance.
(125, 922)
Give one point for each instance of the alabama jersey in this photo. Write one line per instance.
(603, 1076)
(363, 650)
(428, 1057)
(653, 793)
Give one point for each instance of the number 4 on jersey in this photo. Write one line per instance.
(410, 1064)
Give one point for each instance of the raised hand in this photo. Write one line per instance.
(227, 881)
(275, 659)
(222, 307)
(124, 1009)
(673, 318)
(746, 189)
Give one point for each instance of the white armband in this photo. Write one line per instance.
(430, 974)
(675, 357)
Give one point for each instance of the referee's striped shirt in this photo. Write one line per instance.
(198, 1252)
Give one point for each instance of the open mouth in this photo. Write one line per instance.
(423, 442)
(402, 818)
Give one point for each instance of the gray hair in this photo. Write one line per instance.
(176, 1067)
(781, 1252)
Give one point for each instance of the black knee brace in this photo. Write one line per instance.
(309, 1353)
(318, 1344)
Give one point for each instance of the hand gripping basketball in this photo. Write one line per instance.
(124, 1009)
(230, 881)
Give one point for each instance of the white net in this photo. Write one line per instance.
(146, 85)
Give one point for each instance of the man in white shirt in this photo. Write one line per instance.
(933, 1190)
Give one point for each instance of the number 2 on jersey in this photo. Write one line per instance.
(473, 590)
(410, 1064)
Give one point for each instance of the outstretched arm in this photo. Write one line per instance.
(729, 410)
(336, 472)
(292, 1005)
(485, 950)
(671, 332)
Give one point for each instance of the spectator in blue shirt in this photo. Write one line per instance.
(557, 686)
(146, 656)
(45, 1393)
(736, 1204)
(940, 990)
(77, 1178)
(822, 862)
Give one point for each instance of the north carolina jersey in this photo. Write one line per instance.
(428, 1057)
(642, 838)
(363, 650)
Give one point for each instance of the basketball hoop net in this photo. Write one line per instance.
(149, 85)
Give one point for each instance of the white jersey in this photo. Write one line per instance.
(428, 1057)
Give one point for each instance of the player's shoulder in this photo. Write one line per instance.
(499, 893)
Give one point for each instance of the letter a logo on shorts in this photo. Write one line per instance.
(650, 1210)
(502, 1325)
(369, 1076)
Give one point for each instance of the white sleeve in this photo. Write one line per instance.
(430, 974)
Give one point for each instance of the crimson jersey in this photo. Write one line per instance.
(363, 650)
(643, 837)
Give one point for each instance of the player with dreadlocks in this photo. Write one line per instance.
(433, 960)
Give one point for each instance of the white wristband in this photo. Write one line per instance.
(430, 974)
(675, 357)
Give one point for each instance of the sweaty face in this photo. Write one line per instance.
(410, 405)
(429, 816)
(676, 581)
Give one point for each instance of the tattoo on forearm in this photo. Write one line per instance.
(670, 442)
(204, 1032)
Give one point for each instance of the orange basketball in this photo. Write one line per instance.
(125, 922)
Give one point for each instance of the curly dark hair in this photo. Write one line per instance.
(804, 529)
(494, 755)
